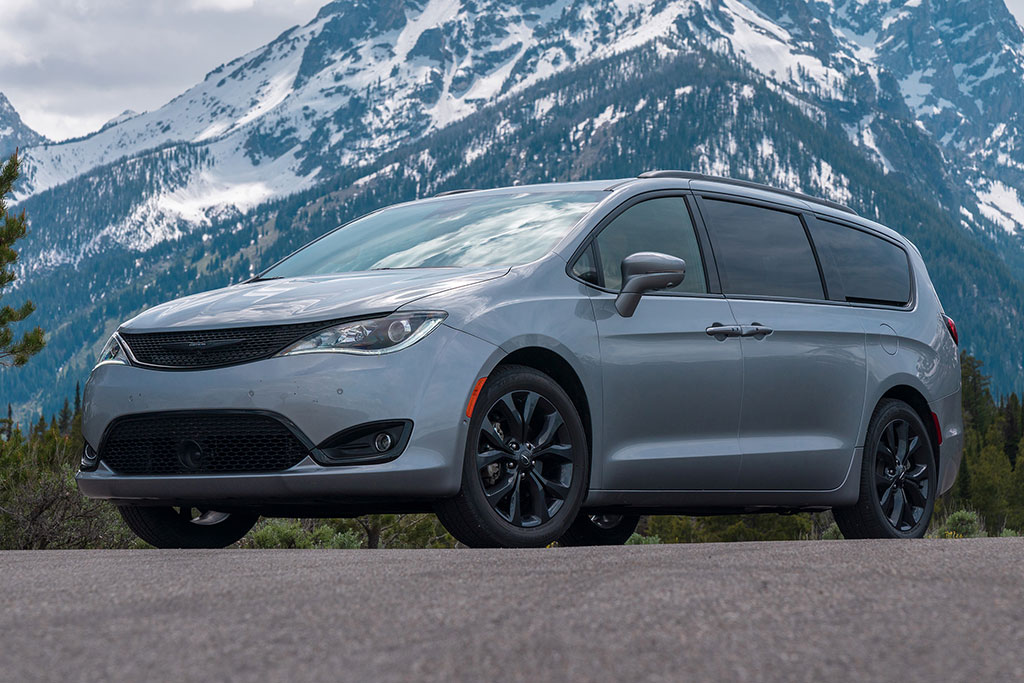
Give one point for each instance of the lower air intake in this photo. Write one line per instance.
(191, 443)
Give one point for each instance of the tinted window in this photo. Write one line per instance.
(872, 269)
(762, 252)
(661, 225)
(586, 267)
(506, 228)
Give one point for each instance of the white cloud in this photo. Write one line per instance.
(70, 65)
(1017, 8)
(222, 5)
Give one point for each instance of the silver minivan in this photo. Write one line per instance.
(543, 363)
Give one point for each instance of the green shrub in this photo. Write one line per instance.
(1009, 533)
(40, 506)
(716, 529)
(637, 539)
(962, 524)
(832, 533)
(291, 533)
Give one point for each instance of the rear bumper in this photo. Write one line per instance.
(320, 395)
(951, 450)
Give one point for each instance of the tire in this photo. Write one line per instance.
(184, 527)
(898, 478)
(514, 495)
(590, 529)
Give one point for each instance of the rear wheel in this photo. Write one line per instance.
(187, 527)
(590, 529)
(898, 478)
(526, 464)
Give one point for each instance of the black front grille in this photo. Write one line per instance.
(188, 443)
(211, 348)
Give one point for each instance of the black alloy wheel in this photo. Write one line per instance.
(524, 458)
(526, 464)
(902, 477)
(899, 480)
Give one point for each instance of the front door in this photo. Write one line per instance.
(671, 390)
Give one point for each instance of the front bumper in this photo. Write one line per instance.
(321, 395)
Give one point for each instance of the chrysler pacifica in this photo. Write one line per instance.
(542, 363)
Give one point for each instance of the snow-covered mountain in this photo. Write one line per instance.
(368, 75)
(13, 131)
(870, 102)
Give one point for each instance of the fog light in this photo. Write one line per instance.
(90, 459)
(371, 442)
(383, 442)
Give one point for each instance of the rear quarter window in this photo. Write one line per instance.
(873, 270)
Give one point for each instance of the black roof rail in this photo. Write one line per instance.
(450, 192)
(692, 175)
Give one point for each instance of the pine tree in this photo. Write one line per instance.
(1011, 412)
(40, 427)
(977, 399)
(8, 424)
(990, 480)
(1015, 498)
(78, 399)
(64, 419)
(12, 228)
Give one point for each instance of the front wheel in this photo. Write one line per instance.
(526, 464)
(187, 527)
(590, 529)
(898, 478)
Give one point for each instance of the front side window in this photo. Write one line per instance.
(500, 229)
(662, 225)
(762, 252)
(873, 270)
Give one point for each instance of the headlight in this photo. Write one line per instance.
(370, 337)
(112, 352)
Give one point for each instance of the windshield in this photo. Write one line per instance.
(450, 232)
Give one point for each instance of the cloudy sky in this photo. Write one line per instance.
(68, 66)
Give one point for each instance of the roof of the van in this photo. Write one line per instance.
(573, 186)
(734, 182)
(700, 181)
(598, 185)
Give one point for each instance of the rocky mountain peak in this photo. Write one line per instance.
(13, 131)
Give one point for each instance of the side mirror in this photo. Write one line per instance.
(646, 271)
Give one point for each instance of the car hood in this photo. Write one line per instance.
(306, 299)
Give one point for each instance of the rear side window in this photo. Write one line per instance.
(662, 225)
(762, 252)
(873, 270)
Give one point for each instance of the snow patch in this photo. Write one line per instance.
(915, 90)
(1002, 204)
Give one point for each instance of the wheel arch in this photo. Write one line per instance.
(555, 366)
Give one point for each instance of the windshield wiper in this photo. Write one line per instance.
(264, 279)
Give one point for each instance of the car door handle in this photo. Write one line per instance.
(720, 331)
(756, 330)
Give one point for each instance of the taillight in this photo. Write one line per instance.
(951, 326)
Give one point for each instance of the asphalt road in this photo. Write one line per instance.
(798, 611)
